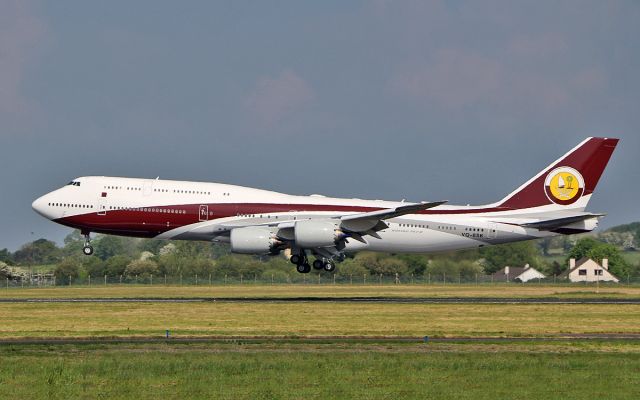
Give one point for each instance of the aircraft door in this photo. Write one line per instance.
(102, 206)
(147, 188)
(203, 215)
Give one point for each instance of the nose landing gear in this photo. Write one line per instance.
(87, 249)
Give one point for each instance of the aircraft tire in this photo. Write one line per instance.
(318, 264)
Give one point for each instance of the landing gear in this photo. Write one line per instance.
(303, 268)
(318, 264)
(329, 266)
(296, 259)
(87, 249)
(302, 265)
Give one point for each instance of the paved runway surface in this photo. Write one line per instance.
(317, 339)
(409, 300)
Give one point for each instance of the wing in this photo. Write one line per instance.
(371, 222)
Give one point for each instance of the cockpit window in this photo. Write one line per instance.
(73, 183)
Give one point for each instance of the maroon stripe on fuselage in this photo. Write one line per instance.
(139, 222)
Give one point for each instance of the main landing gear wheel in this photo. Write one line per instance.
(318, 264)
(329, 266)
(296, 259)
(303, 268)
(87, 250)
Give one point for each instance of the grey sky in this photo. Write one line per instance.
(457, 100)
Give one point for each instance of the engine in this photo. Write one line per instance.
(253, 240)
(314, 233)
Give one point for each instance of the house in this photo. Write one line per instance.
(519, 274)
(588, 270)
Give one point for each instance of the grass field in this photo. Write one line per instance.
(313, 319)
(427, 371)
(328, 290)
(335, 369)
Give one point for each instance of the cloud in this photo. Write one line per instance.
(273, 100)
(455, 78)
(20, 34)
(452, 78)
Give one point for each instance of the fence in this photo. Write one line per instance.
(312, 278)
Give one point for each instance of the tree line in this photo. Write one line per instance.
(130, 257)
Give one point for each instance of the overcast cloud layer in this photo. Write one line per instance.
(457, 100)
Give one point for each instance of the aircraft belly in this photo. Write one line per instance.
(420, 241)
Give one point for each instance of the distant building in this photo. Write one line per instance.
(588, 270)
(517, 274)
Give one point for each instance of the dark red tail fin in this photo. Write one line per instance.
(568, 181)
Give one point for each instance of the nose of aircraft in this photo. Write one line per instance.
(39, 206)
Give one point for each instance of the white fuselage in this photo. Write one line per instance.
(165, 209)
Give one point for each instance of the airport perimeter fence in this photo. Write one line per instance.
(294, 278)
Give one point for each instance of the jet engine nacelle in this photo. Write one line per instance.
(314, 233)
(253, 240)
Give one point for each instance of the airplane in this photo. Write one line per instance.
(256, 221)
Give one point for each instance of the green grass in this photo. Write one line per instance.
(318, 372)
(328, 290)
(313, 319)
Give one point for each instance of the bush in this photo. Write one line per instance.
(141, 268)
(69, 268)
(116, 265)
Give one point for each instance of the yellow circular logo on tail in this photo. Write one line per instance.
(564, 185)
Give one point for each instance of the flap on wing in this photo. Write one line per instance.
(551, 224)
(364, 222)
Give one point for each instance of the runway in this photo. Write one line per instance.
(407, 300)
(316, 339)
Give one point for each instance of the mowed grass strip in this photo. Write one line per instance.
(174, 372)
(531, 290)
(313, 319)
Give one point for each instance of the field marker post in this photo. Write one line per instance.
(412, 278)
(151, 279)
(165, 279)
(89, 280)
(241, 277)
(136, 279)
(121, 279)
(364, 278)
(318, 278)
(476, 279)
(334, 279)
(7, 283)
(180, 279)
(272, 279)
(225, 279)
(444, 278)
(196, 279)
(209, 279)
(429, 278)
(105, 280)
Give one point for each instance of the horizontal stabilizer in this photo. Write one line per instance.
(551, 224)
